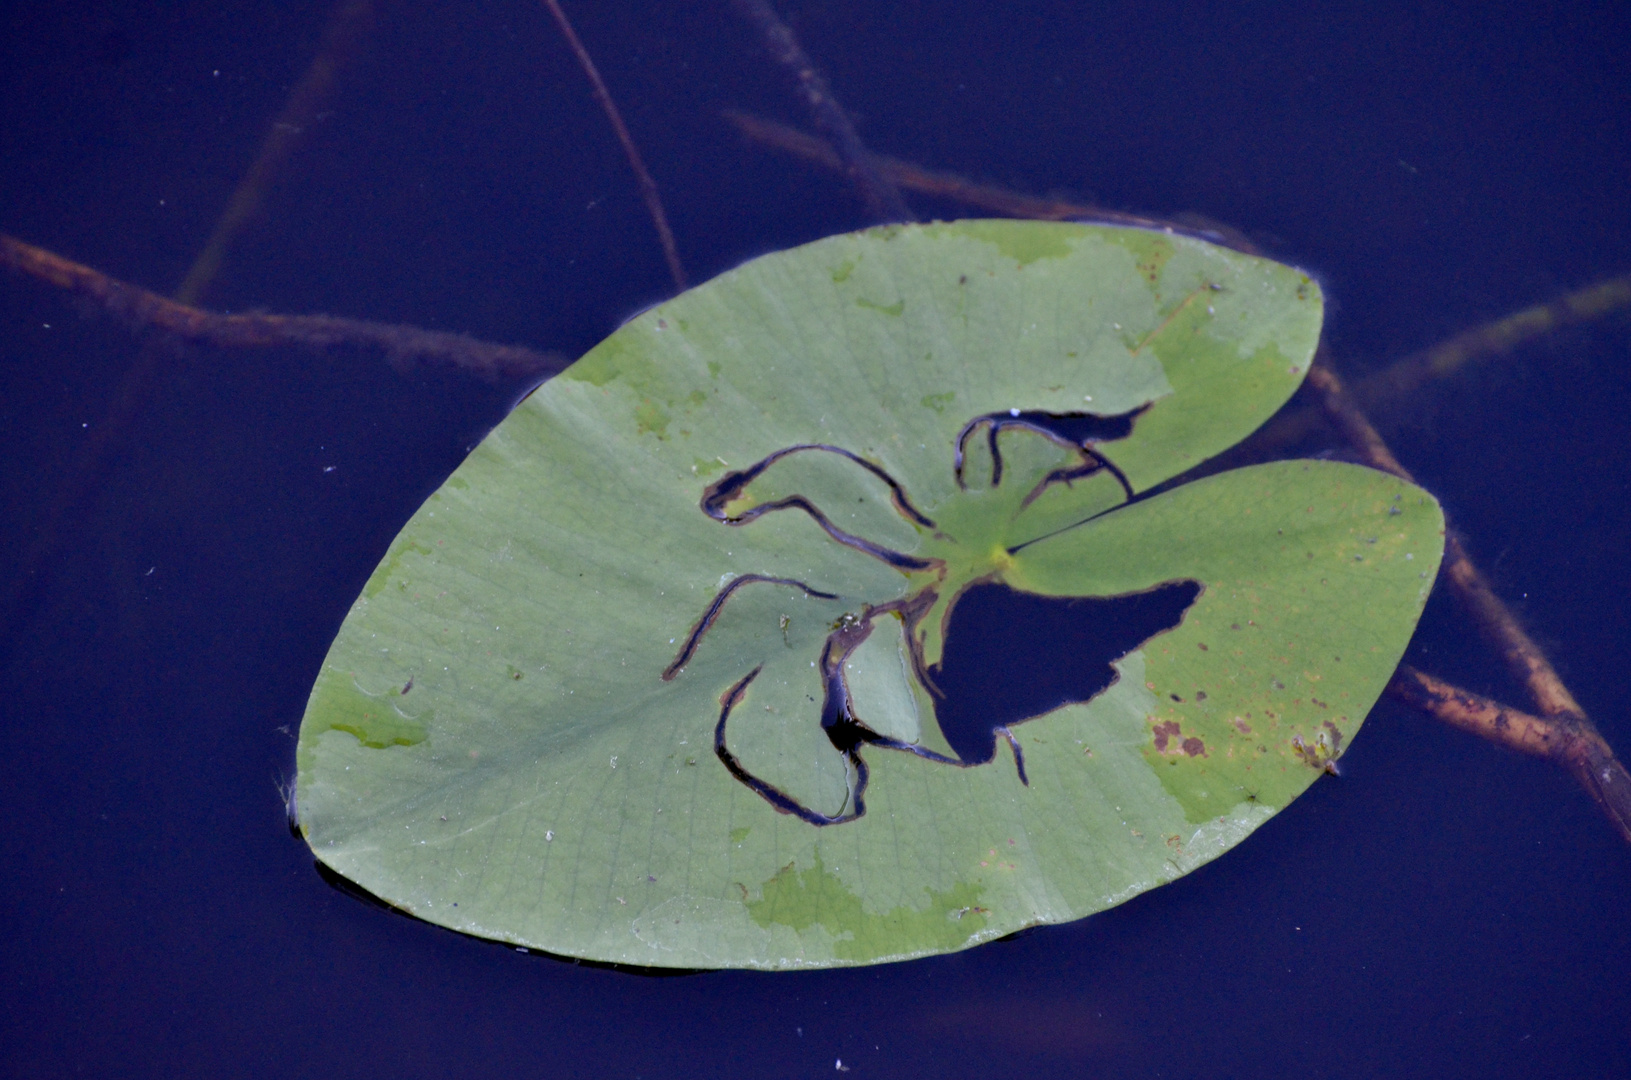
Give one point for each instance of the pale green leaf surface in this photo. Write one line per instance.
(490, 744)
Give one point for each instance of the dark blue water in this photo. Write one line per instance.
(1444, 908)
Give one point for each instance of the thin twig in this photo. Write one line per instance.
(402, 344)
(880, 196)
(140, 308)
(1454, 354)
(1494, 338)
(956, 188)
(350, 21)
(940, 184)
(648, 186)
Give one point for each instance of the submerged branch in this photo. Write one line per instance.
(349, 22)
(1454, 354)
(854, 160)
(345, 30)
(1494, 338)
(955, 188)
(140, 308)
(1512, 728)
(1582, 750)
(1497, 622)
(648, 186)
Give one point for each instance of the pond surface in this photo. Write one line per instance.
(1443, 908)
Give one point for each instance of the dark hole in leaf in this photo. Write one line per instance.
(1080, 430)
(1011, 656)
(1084, 428)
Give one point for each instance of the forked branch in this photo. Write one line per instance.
(1578, 748)
(854, 159)
(1565, 735)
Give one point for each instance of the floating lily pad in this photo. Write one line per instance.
(822, 615)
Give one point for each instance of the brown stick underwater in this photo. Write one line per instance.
(854, 159)
(1581, 749)
(141, 308)
(648, 186)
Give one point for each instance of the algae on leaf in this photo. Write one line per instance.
(673, 671)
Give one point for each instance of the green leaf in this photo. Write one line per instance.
(580, 706)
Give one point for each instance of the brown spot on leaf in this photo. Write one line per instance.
(1167, 729)
(1194, 747)
(1242, 727)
